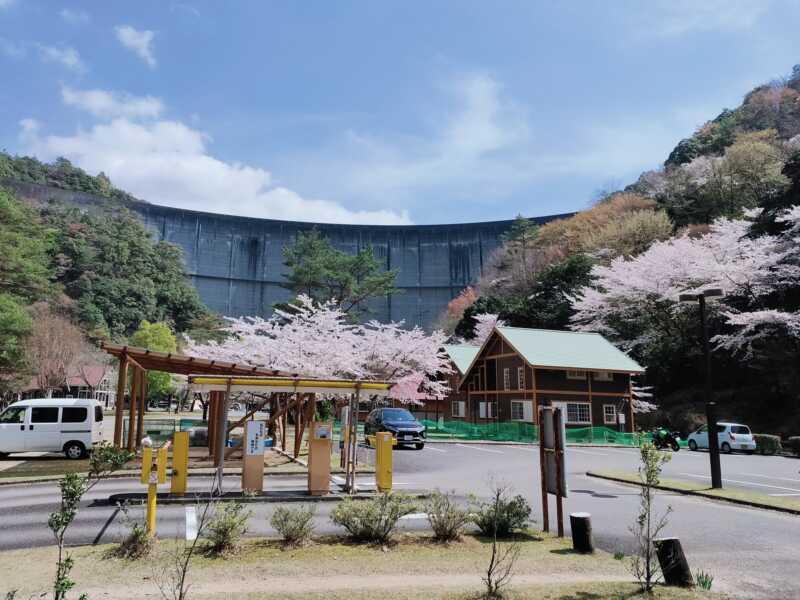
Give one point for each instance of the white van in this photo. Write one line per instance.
(68, 425)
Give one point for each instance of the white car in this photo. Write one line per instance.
(68, 425)
(731, 436)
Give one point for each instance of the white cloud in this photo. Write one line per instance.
(140, 42)
(166, 162)
(105, 104)
(11, 49)
(66, 56)
(671, 18)
(6, 3)
(74, 17)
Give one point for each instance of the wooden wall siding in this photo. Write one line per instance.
(548, 379)
(620, 385)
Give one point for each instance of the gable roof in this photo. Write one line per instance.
(462, 355)
(568, 350)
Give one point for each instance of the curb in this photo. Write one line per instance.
(136, 499)
(699, 494)
(499, 443)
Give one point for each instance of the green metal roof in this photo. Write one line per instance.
(568, 350)
(462, 355)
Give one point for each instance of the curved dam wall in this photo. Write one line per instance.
(236, 263)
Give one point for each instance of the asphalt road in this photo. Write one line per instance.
(752, 553)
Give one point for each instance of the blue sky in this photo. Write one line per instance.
(378, 112)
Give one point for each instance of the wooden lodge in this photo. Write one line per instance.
(517, 370)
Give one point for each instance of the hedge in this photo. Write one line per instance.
(767, 444)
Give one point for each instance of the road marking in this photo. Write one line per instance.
(783, 494)
(524, 449)
(793, 480)
(586, 452)
(471, 447)
(191, 523)
(774, 487)
(415, 516)
(435, 449)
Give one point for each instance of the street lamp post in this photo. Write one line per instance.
(711, 415)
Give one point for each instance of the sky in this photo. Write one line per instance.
(378, 112)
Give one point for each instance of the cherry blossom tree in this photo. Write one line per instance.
(485, 324)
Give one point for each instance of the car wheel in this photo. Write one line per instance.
(419, 446)
(692, 445)
(74, 450)
(726, 447)
(3, 455)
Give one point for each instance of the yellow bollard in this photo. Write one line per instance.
(150, 478)
(152, 497)
(383, 461)
(180, 463)
(147, 463)
(161, 464)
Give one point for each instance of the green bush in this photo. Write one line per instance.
(226, 528)
(296, 525)
(507, 515)
(767, 444)
(372, 520)
(137, 544)
(793, 444)
(446, 518)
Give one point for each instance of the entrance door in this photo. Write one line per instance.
(12, 429)
(44, 429)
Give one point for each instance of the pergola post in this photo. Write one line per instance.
(142, 407)
(298, 417)
(221, 431)
(212, 422)
(122, 380)
(132, 406)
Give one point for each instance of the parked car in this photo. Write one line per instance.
(399, 422)
(68, 425)
(731, 436)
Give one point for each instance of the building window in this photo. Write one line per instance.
(577, 413)
(603, 376)
(486, 410)
(506, 379)
(609, 414)
(520, 378)
(576, 375)
(522, 410)
(458, 408)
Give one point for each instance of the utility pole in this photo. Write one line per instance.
(711, 413)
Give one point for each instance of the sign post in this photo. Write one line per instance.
(255, 433)
(553, 470)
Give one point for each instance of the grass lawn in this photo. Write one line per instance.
(413, 568)
(763, 500)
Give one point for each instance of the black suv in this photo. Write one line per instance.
(399, 422)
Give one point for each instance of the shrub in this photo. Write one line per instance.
(372, 520)
(501, 517)
(137, 544)
(226, 528)
(446, 518)
(793, 444)
(296, 525)
(767, 444)
(703, 580)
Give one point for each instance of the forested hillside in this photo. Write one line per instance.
(89, 276)
(717, 214)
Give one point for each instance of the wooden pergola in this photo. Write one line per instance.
(141, 360)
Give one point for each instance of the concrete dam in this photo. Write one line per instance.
(236, 263)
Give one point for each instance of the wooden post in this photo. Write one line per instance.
(122, 382)
(672, 560)
(132, 406)
(581, 525)
(298, 418)
(559, 461)
(542, 469)
(284, 422)
(221, 431)
(142, 407)
(212, 422)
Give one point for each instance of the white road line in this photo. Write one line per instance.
(793, 480)
(191, 523)
(774, 487)
(471, 447)
(783, 494)
(524, 449)
(414, 516)
(586, 452)
(435, 449)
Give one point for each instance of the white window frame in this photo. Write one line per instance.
(520, 378)
(606, 420)
(603, 376)
(458, 408)
(576, 374)
(564, 406)
(506, 378)
(486, 410)
(527, 410)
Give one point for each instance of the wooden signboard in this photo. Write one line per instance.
(552, 441)
(255, 432)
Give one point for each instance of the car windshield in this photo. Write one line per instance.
(14, 414)
(740, 429)
(397, 414)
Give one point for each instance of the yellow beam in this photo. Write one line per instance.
(311, 383)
